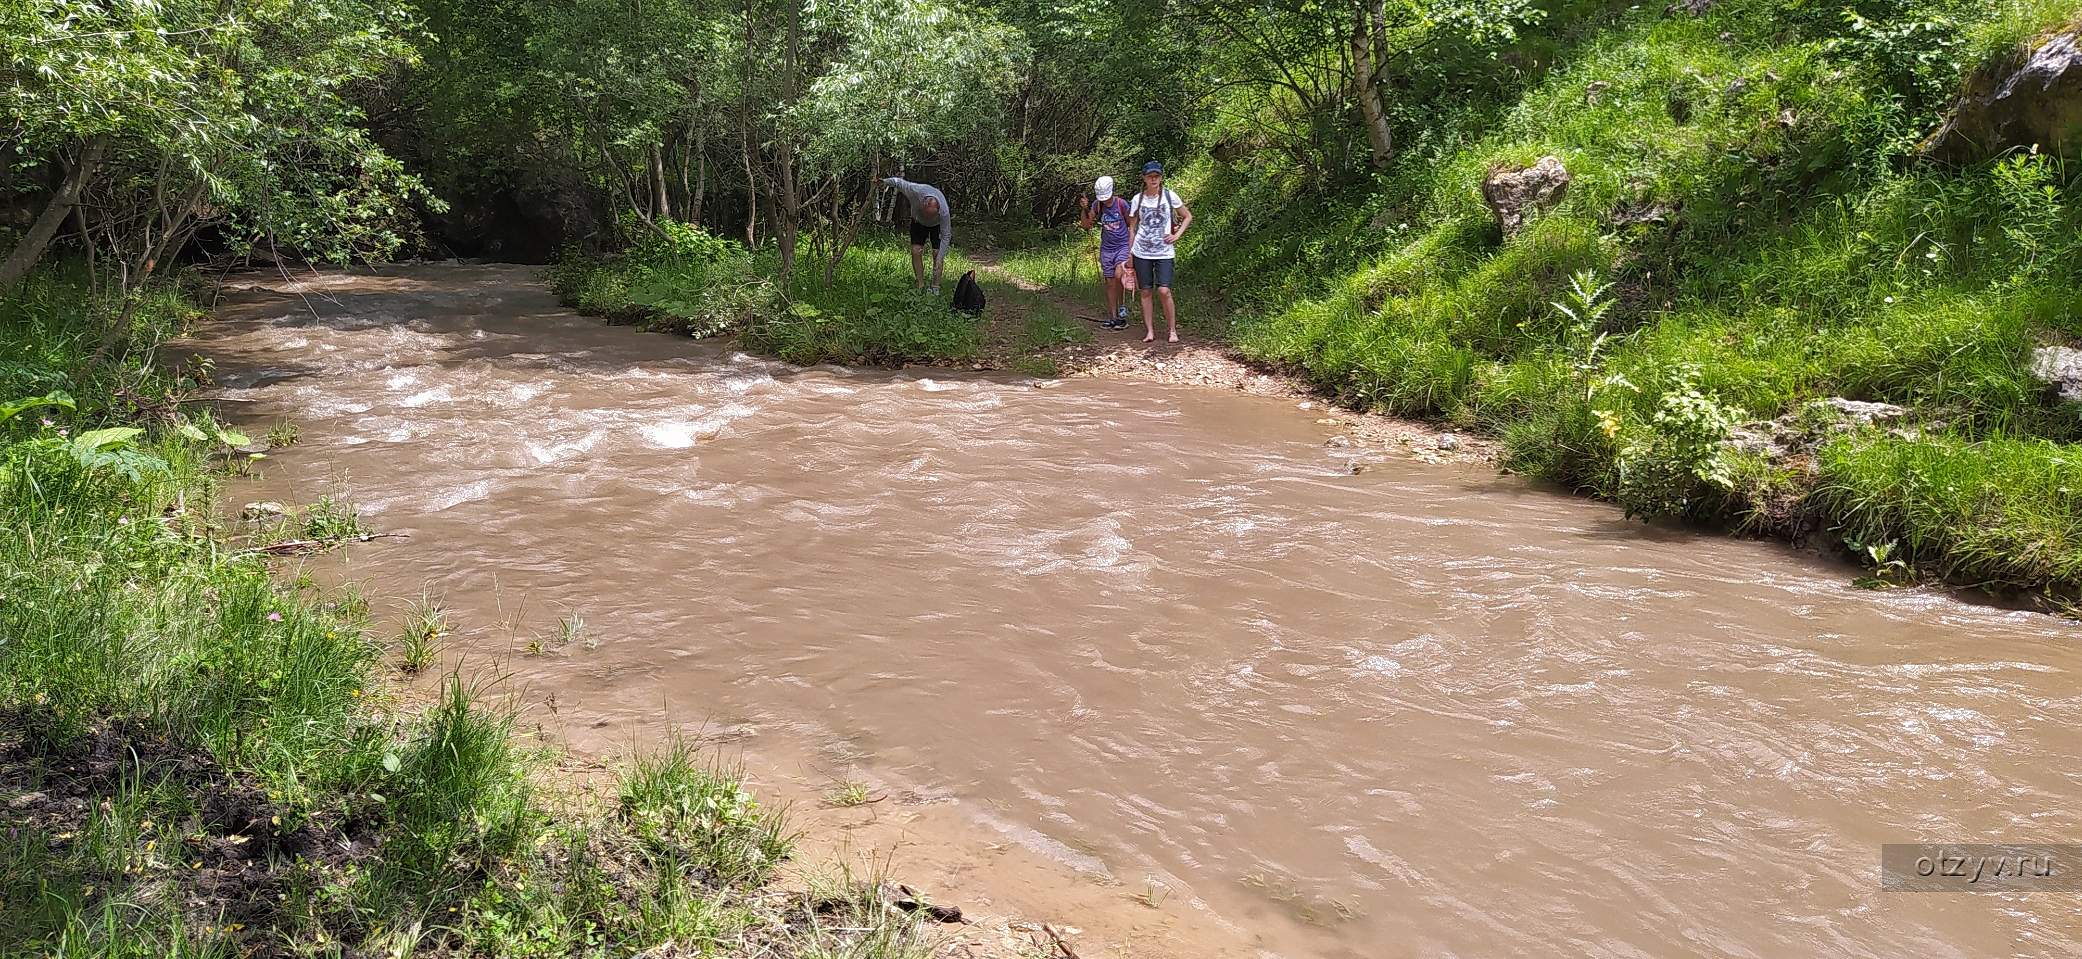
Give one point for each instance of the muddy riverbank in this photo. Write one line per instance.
(1151, 660)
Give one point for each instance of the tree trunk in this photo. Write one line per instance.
(661, 197)
(1367, 90)
(29, 249)
(789, 192)
(700, 182)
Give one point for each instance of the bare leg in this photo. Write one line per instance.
(939, 260)
(1112, 287)
(1149, 318)
(1170, 313)
(917, 267)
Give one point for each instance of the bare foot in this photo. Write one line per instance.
(1174, 336)
(1151, 338)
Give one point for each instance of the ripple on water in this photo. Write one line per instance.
(439, 394)
(671, 435)
(457, 496)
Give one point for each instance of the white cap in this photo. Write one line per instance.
(1103, 188)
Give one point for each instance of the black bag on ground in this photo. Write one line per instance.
(968, 294)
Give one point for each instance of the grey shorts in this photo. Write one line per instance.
(1151, 274)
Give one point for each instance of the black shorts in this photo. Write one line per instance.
(922, 235)
(1153, 274)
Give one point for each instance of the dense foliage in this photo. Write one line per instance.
(1752, 228)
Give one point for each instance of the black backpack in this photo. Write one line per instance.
(968, 295)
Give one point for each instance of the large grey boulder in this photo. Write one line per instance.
(2060, 368)
(2037, 102)
(1513, 193)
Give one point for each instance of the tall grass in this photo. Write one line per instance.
(195, 761)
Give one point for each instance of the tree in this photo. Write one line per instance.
(1303, 64)
(174, 116)
(894, 79)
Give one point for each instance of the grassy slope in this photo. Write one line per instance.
(1804, 259)
(197, 761)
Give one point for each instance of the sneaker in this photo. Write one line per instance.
(1120, 323)
(934, 291)
(1121, 314)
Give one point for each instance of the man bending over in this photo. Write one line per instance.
(932, 224)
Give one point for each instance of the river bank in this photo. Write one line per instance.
(1780, 479)
(204, 752)
(1115, 628)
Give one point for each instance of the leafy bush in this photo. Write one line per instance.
(1666, 464)
(678, 278)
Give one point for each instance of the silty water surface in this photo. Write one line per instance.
(1162, 635)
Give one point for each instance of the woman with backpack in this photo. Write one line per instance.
(1157, 218)
(1109, 214)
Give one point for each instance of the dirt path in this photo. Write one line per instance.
(1199, 361)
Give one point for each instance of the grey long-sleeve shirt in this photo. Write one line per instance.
(916, 193)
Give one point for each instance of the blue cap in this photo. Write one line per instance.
(1153, 167)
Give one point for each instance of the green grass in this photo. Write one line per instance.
(420, 639)
(701, 285)
(1803, 257)
(869, 314)
(847, 794)
(2001, 512)
(198, 761)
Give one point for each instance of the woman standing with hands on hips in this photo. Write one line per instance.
(1157, 218)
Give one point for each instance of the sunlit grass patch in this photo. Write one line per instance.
(2001, 512)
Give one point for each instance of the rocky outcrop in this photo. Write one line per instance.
(2037, 102)
(1516, 193)
(1856, 412)
(1798, 433)
(2060, 368)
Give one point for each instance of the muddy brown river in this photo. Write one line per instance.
(1160, 644)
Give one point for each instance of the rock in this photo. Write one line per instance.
(265, 509)
(2037, 102)
(1514, 194)
(1859, 412)
(907, 899)
(2060, 368)
(1696, 8)
(25, 800)
(1449, 442)
(1595, 91)
(1638, 213)
(1338, 442)
(1760, 440)
(1798, 433)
